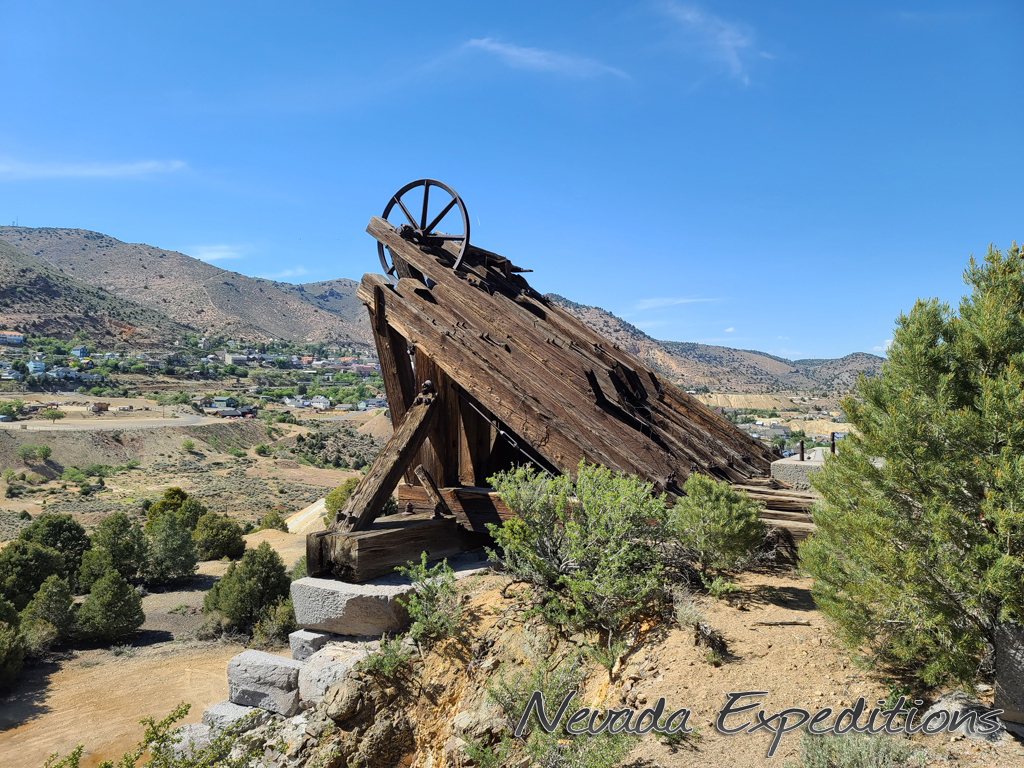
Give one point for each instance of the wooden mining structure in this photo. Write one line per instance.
(482, 373)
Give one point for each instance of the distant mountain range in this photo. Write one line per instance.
(56, 281)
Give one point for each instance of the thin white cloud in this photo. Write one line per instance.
(16, 169)
(285, 273)
(884, 348)
(730, 330)
(715, 38)
(539, 60)
(216, 252)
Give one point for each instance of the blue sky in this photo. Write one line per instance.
(782, 176)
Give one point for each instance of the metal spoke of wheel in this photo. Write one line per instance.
(405, 210)
(423, 219)
(437, 219)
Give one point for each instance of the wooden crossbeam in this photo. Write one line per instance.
(367, 500)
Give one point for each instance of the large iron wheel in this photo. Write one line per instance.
(424, 231)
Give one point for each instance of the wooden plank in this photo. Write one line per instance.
(367, 500)
(317, 560)
(361, 555)
(394, 361)
(474, 442)
(432, 450)
(440, 505)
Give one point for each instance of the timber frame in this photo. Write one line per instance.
(483, 373)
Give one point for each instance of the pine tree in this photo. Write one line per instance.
(112, 610)
(172, 553)
(919, 558)
(218, 536)
(52, 604)
(24, 566)
(65, 535)
(247, 592)
(124, 541)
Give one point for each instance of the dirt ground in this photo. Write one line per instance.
(799, 666)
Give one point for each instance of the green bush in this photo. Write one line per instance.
(112, 610)
(12, 654)
(45, 452)
(276, 624)
(125, 543)
(95, 564)
(713, 525)
(435, 606)
(172, 552)
(52, 605)
(919, 558)
(588, 544)
(298, 570)
(250, 589)
(386, 663)
(335, 500)
(24, 566)
(273, 521)
(65, 535)
(188, 445)
(27, 453)
(858, 751)
(190, 511)
(218, 536)
(262, 449)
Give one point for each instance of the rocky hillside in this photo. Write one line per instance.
(192, 292)
(723, 368)
(36, 298)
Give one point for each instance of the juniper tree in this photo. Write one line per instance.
(918, 558)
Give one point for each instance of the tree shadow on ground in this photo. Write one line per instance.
(791, 598)
(28, 699)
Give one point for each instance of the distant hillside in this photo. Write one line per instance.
(208, 298)
(723, 368)
(38, 299)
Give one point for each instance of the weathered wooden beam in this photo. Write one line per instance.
(440, 505)
(395, 367)
(362, 555)
(367, 500)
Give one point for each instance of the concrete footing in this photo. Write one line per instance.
(258, 679)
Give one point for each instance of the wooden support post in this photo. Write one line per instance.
(395, 367)
(441, 457)
(440, 505)
(474, 443)
(367, 500)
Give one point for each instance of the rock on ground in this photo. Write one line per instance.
(349, 609)
(258, 679)
(954, 702)
(305, 642)
(220, 716)
(194, 737)
(325, 668)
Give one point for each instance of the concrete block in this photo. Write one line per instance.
(305, 642)
(193, 737)
(326, 667)
(349, 609)
(258, 679)
(795, 472)
(226, 713)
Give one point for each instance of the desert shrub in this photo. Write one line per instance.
(918, 559)
(112, 610)
(298, 570)
(44, 452)
(9, 475)
(511, 692)
(39, 638)
(214, 626)
(273, 628)
(53, 606)
(250, 588)
(586, 543)
(262, 449)
(172, 501)
(24, 566)
(172, 552)
(386, 663)
(125, 543)
(435, 606)
(62, 533)
(218, 536)
(273, 521)
(27, 453)
(12, 654)
(852, 750)
(236, 452)
(335, 500)
(188, 445)
(713, 525)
